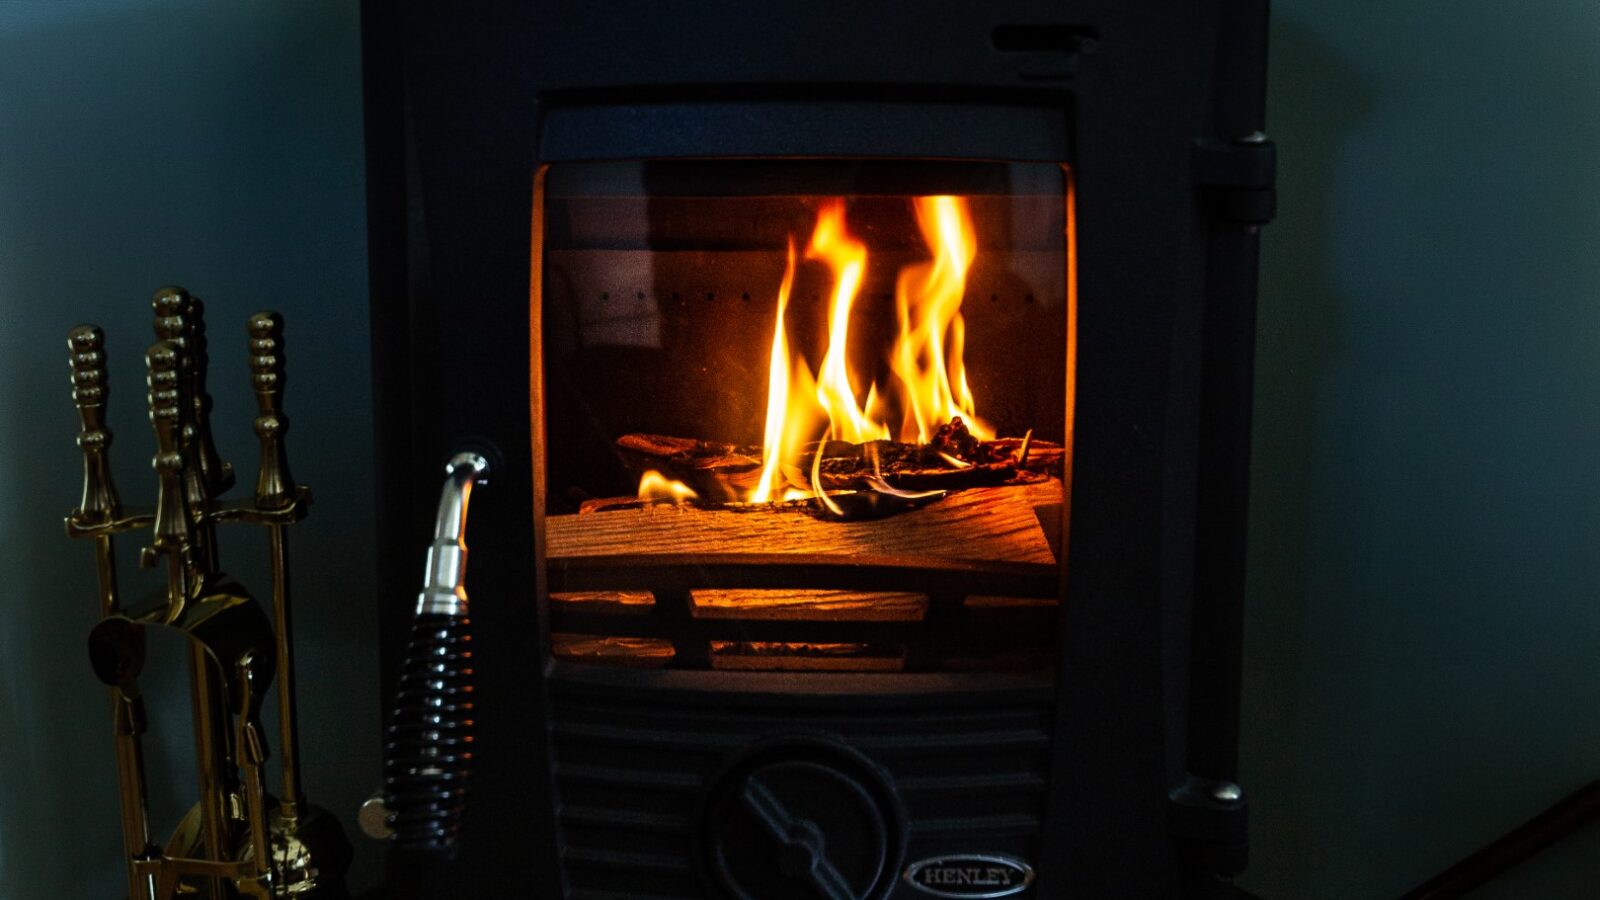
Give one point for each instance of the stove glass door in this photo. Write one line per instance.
(804, 415)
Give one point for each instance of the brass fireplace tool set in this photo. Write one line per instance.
(237, 840)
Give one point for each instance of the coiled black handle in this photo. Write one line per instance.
(428, 752)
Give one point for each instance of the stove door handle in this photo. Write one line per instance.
(444, 580)
(428, 751)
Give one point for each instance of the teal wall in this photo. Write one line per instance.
(216, 145)
(1423, 659)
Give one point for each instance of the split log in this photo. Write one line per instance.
(801, 605)
(745, 604)
(645, 653)
(989, 524)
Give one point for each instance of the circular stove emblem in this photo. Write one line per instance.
(970, 875)
(802, 820)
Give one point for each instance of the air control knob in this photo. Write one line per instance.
(806, 819)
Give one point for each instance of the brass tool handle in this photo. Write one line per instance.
(428, 751)
(173, 527)
(90, 388)
(275, 487)
(180, 318)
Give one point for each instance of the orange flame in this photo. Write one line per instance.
(655, 486)
(928, 302)
(772, 442)
(930, 382)
(847, 257)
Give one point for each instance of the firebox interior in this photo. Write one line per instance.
(939, 290)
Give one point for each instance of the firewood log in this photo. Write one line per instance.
(721, 473)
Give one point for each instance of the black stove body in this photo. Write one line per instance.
(508, 140)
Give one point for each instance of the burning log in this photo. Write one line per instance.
(1011, 524)
(721, 473)
(952, 460)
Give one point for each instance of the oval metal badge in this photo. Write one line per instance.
(975, 876)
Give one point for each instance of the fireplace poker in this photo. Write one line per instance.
(176, 538)
(276, 490)
(101, 510)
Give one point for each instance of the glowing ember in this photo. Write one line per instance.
(655, 486)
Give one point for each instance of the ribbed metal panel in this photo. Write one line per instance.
(630, 772)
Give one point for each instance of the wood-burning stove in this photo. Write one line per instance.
(867, 397)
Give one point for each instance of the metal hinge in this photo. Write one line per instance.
(1214, 816)
(1239, 176)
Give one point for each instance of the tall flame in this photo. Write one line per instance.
(930, 383)
(847, 257)
(772, 442)
(928, 302)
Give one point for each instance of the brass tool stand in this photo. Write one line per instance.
(238, 840)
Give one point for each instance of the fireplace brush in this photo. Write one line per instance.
(238, 840)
